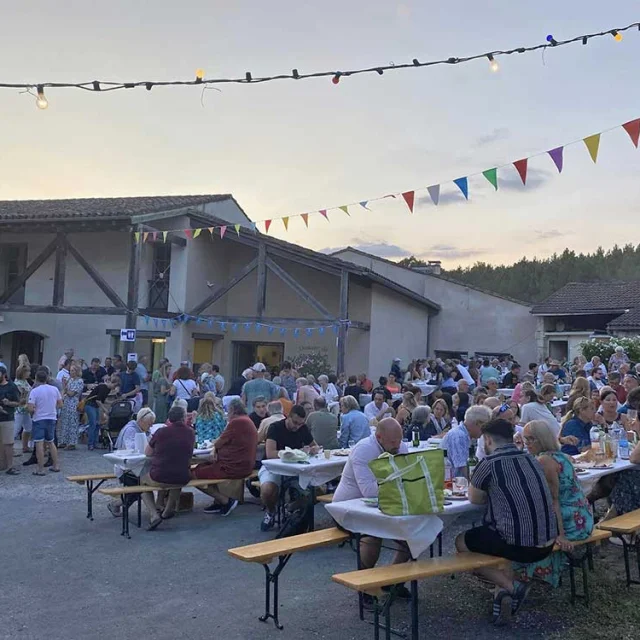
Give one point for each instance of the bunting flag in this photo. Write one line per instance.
(557, 155)
(321, 331)
(521, 168)
(223, 230)
(633, 129)
(324, 213)
(164, 322)
(296, 333)
(305, 218)
(434, 193)
(363, 204)
(223, 326)
(155, 322)
(234, 327)
(253, 227)
(145, 235)
(335, 329)
(136, 235)
(146, 319)
(258, 327)
(309, 332)
(247, 326)
(211, 231)
(237, 228)
(210, 323)
(164, 236)
(345, 208)
(188, 233)
(154, 236)
(270, 330)
(463, 185)
(492, 176)
(282, 331)
(196, 233)
(409, 198)
(285, 222)
(267, 224)
(593, 144)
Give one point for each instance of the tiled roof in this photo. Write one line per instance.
(628, 320)
(577, 298)
(97, 208)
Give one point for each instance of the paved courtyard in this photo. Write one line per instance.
(64, 577)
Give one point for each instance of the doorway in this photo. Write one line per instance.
(14, 343)
(559, 350)
(246, 354)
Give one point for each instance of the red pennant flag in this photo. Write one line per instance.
(223, 230)
(188, 233)
(267, 224)
(324, 213)
(408, 198)
(633, 129)
(521, 166)
(305, 217)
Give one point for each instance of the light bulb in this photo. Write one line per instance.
(41, 100)
(617, 36)
(335, 79)
(199, 74)
(493, 63)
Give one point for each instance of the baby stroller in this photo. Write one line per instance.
(120, 413)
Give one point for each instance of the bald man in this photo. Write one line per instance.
(358, 481)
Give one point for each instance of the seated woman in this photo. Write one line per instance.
(170, 450)
(406, 408)
(577, 424)
(209, 421)
(190, 415)
(608, 414)
(537, 407)
(354, 425)
(573, 512)
(461, 402)
(392, 384)
(420, 421)
(439, 417)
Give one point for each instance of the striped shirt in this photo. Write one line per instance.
(519, 506)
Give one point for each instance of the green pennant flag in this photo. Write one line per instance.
(345, 208)
(237, 228)
(492, 176)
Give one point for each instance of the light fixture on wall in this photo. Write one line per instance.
(158, 340)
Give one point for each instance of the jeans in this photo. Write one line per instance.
(93, 430)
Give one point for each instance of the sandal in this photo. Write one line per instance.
(39, 473)
(13, 472)
(54, 470)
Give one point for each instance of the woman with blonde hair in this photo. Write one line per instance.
(22, 418)
(440, 416)
(354, 425)
(538, 407)
(576, 424)
(69, 416)
(406, 408)
(209, 421)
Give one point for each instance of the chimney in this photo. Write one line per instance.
(433, 267)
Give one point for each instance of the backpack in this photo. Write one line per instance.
(295, 523)
(209, 384)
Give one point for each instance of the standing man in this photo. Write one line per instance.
(288, 380)
(68, 355)
(144, 376)
(257, 387)
(218, 379)
(236, 385)
(44, 402)
(9, 400)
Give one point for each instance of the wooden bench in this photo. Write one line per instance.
(371, 581)
(283, 548)
(626, 525)
(89, 479)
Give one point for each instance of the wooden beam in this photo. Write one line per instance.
(262, 279)
(34, 308)
(60, 271)
(104, 286)
(299, 289)
(20, 281)
(220, 291)
(344, 315)
(135, 254)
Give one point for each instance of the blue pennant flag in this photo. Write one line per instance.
(296, 333)
(155, 322)
(199, 320)
(146, 319)
(164, 322)
(309, 331)
(463, 185)
(321, 331)
(234, 327)
(223, 326)
(270, 330)
(210, 323)
(247, 325)
(253, 226)
(258, 327)
(283, 331)
(363, 204)
(335, 329)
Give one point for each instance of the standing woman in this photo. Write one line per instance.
(22, 418)
(69, 416)
(161, 387)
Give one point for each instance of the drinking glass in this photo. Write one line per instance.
(320, 452)
(460, 485)
(632, 414)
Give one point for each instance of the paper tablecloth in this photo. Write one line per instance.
(317, 472)
(124, 460)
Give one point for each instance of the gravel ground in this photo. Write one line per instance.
(64, 577)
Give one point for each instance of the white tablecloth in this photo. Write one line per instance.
(426, 388)
(317, 472)
(127, 460)
(507, 393)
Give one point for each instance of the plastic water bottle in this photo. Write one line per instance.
(623, 446)
(616, 435)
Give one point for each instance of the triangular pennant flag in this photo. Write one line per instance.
(210, 323)
(345, 208)
(285, 222)
(198, 320)
(409, 198)
(258, 327)
(335, 329)
(155, 322)
(283, 331)
(305, 218)
(196, 233)
(267, 224)
(234, 327)
(188, 233)
(237, 228)
(247, 325)
(146, 319)
(253, 227)
(164, 322)
(223, 230)
(296, 333)
(136, 235)
(145, 236)
(633, 129)
(492, 176)
(211, 230)
(324, 213)
(154, 236)
(309, 331)
(223, 326)
(270, 330)
(557, 155)
(321, 331)
(593, 144)
(463, 185)
(164, 236)
(364, 203)
(434, 192)
(521, 168)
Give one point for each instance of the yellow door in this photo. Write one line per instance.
(202, 351)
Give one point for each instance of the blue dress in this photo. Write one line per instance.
(209, 428)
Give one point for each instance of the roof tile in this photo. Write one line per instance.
(591, 297)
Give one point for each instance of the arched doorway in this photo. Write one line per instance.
(13, 343)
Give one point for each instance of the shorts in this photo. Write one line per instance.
(6, 433)
(264, 475)
(22, 421)
(43, 430)
(486, 540)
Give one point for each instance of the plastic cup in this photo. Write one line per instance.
(327, 454)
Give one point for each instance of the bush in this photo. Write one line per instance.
(315, 364)
(604, 350)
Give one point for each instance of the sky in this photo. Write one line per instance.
(290, 147)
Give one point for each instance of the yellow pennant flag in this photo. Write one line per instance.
(196, 233)
(145, 236)
(237, 228)
(164, 236)
(285, 222)
(345, 208)
(593, 144)
(136, 235)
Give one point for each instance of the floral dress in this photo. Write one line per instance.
(69, 416)
(209, 428)
(577, 519)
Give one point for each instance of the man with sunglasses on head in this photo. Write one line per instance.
(458, 441)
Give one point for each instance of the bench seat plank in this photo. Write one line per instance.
(91, 476)
(597, 536)
(326, 499)
(145, 488)
(387, 575)
(263, 552)
(628, 523)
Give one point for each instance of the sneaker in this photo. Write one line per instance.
(401, 592)
(114, 510)
(520, 594)
(12, 472)
(213, 508)
(500, 607)
(229, 507)
(268, 522)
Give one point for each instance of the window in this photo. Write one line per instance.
(13, 262)
(161, 271)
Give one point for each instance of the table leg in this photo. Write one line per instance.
(312, 506)
(90, 499)
(414, 610)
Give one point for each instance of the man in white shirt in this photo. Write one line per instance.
(377, 409)
(358, 481)
(595, 363)
(63, 374)
(43, 404)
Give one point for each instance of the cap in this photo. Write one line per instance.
(397, 359)
(258, 366)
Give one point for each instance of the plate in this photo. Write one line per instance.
(370, 502)
(603, 466)
(581, 472)
(343, 453)
(459, 498)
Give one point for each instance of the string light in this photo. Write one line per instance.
(552, 41)
(41, 99)
(199, 76)
(336, 78)
(617, 36)
(493, 63)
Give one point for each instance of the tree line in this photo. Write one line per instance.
(533, 280)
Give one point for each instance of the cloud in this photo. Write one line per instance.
(550, 235)
(450, 252)
(380, 249)
(501, 133)
(535, 179)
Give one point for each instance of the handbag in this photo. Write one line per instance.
(411, 483)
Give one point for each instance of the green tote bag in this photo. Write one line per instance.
(410, 484)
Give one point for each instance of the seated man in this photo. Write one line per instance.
(170, 449)
(378, 409)
(291, 432)
(520, 523)
(233, 457)
(458, 441)
(358, 481)
(323, 425)
(259, 412)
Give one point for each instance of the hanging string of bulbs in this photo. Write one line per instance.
(335, 76)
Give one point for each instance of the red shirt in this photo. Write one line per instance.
(621, 394)
(172, 450)
(367, 385)
(236, 448)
